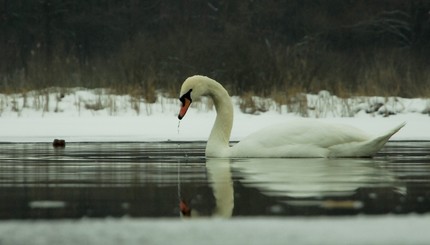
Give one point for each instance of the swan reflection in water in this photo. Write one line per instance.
(296, 180)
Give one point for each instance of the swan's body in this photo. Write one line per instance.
(304, 138)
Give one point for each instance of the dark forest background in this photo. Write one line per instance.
(263, 47)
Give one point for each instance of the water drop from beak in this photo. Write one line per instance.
(179, 124)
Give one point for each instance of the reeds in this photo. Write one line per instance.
(372, 57)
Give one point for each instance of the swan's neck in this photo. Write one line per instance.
(218, 142)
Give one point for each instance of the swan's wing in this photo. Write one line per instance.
(306, 132)
(302, 138)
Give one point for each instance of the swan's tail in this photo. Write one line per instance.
(366, 148)
(380, 141)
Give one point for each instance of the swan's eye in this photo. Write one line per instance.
(187, 95)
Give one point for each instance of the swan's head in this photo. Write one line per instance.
(193, 88)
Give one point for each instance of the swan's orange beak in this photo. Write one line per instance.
(185, 105)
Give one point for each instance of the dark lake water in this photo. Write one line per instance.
(173, 179)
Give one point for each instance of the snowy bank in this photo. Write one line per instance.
(97, 115)
(391, 230)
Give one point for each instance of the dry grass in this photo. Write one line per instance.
(143, 67)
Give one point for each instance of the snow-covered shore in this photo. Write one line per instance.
(97, 115)
(411, 229)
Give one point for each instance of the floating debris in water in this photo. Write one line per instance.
(47, 204)
(59, 143)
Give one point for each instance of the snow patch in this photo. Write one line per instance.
(387, 229)
(98, 115)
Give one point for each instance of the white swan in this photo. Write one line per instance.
(304, 138)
